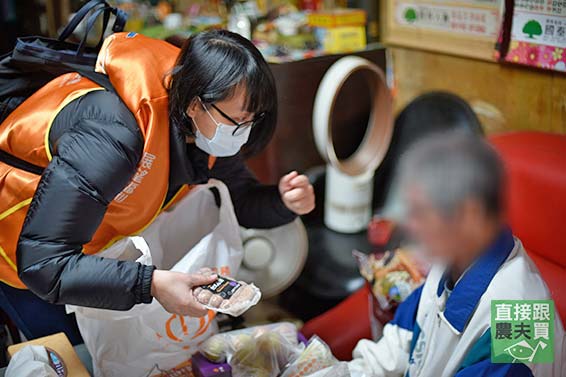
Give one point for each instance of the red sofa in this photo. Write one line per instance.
(536, 167)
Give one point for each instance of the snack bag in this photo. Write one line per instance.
(316, 357)
(338, 370)
(392, 276)
(226, 295)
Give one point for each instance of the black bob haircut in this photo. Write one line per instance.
(211, 65)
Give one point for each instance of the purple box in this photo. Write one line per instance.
(202, 367)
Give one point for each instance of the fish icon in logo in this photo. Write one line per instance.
(523, 352)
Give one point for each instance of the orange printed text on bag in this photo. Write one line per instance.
(137, 74)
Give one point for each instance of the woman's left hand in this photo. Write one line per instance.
(297, 193)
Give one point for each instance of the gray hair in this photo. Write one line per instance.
(452, 167)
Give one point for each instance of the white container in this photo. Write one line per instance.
(240, 24)
(347, 206)
(173, 21)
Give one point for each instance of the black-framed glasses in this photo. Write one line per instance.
(240, 127)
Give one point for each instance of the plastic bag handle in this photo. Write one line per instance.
(78, 17)
(119, 23)
(121, 18)
(105, 21)
(103, 6)
(142, 246)
(90, 24)
(225, 199)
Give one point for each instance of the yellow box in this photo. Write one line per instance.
(337, 18)
(343, 39)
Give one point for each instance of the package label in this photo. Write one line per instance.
(224, 287)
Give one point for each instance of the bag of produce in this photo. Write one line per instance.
(261, 351)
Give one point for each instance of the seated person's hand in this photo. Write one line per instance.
(174, 291)
(297, 193)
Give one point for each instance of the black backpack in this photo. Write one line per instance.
(37, 60)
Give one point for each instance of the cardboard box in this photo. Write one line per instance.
(337, 18)
(340, 40)
(62, 354)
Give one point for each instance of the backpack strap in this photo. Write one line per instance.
(98, 78)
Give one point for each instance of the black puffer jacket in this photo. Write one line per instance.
(96, 146)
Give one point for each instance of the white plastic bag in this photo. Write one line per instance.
(31, 361)
(195, 233)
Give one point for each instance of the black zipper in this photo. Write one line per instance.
(19, 163)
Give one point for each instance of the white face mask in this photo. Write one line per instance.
(224, 143)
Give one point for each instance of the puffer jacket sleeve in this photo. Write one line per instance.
(96, 147)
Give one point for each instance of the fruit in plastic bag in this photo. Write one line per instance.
(246, 361)
(265, 355)
(240, 340)
(269, 342)
(214, 349)
(276, 345)
(257, 351)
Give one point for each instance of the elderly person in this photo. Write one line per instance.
(452, 188)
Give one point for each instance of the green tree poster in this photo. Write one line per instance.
(410, 15)
(532, 28)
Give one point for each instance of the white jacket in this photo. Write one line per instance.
(437, 334)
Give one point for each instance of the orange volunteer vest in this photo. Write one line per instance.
(137, 73)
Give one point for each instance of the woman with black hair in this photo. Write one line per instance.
(115, 159)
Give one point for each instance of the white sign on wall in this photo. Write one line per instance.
(482, 22)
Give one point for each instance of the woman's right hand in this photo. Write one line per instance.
(174, 291)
